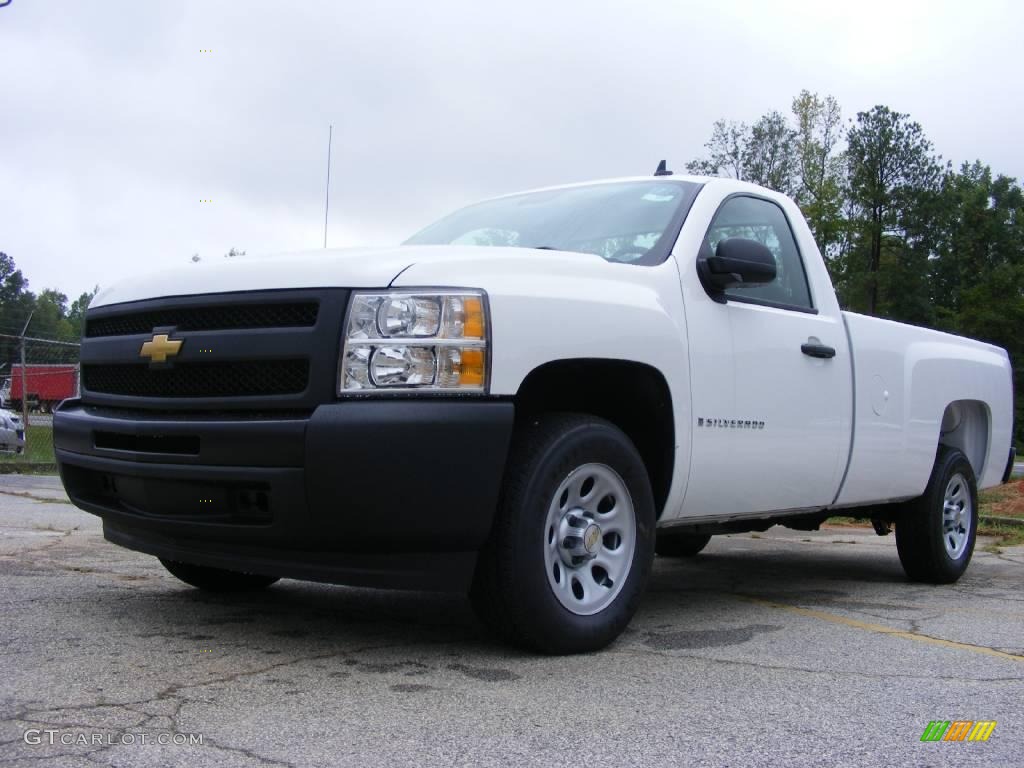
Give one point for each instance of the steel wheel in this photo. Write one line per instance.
(956, 516)
(572, 546)
(589, 538)
(935, 533)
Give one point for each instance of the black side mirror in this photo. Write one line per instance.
(737, 261)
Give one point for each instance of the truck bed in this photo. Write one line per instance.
(904, 379)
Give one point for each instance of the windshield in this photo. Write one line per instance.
(632, 222)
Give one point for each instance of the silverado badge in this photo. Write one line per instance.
(159, 348)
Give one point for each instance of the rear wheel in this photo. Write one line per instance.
(217, 579)
(935, 533)
(571, 548)
(680, 544)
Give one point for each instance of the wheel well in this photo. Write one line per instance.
(633, 396)
(965, 426)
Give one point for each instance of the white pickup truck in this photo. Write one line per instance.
(526, 401)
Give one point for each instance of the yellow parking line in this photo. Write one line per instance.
(881, 629)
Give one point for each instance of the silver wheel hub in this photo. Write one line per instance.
(579, 536)
(589, 538)
(957, 512)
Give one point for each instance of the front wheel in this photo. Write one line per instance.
(935, 533)
(217, 579)
(572, 546)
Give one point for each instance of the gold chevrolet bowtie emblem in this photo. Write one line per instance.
(159, 348)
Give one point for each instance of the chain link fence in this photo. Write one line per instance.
(35, 377)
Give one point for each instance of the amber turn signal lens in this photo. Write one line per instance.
(471, 368)
(473, 309)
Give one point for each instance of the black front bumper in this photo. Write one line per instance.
(390, 493)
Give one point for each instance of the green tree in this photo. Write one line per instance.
(50, 318)
(16, 302)
(726, 149)
(892, 174)
(981, 229)
(76, 312)
(769, 154)
(820, 169)
(15, 299)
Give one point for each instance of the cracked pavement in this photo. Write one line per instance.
(782, 648)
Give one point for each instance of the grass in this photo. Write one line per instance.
(1005, 535)
(38, 447)
(1005, 501)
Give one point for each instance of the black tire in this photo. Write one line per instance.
(920, 534)
(217, 579)
(680, 544)
(511, 592)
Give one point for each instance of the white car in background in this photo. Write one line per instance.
(12, 433)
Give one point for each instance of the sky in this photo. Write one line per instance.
(120, 119)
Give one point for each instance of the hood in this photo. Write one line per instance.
(334, 268)
(330, 268)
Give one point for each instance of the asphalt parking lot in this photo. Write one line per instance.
(789, 648)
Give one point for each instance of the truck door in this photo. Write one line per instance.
(771, 380)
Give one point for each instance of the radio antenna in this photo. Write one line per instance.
(327, 195)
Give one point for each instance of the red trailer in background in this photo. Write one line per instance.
(47, 385)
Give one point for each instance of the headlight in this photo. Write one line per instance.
(402, 341)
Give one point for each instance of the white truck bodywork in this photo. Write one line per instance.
(861, 428)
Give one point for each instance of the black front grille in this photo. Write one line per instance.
(298, 314)
(253, 351)
(221, 379)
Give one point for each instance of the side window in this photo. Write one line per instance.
(763, 221)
